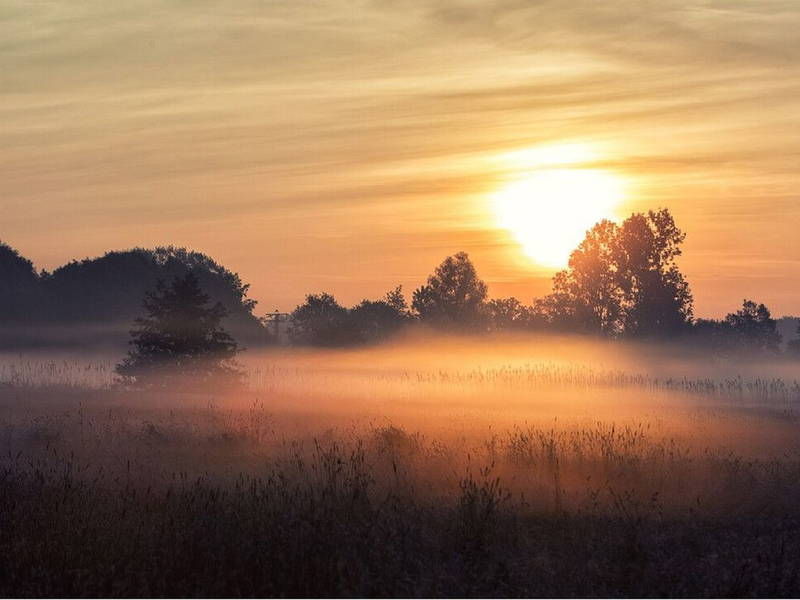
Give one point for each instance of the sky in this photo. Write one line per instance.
(349, 146)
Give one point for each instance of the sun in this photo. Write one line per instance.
(548, 211)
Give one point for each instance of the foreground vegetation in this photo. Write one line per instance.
(326, 479)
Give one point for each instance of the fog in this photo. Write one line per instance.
(466, 445)
(451, 388)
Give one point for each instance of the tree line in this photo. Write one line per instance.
(623, 281)
(94, 301)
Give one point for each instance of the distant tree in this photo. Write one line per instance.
(375, 320)
(507, 313)
(180, 341)
(793, 347)
(754, 328)
(717, 335)
(321, 321)
(657, 299)
(15, 270)
(623, 280)
(19, 287)
(107, 290)
(588, 296)
(557, 310)
(453, 296)
(788, 328)
(397, 300)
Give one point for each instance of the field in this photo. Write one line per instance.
(426, 467)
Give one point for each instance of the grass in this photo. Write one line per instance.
(522, 480)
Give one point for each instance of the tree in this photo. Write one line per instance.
(15, 271)
(321, 321)
(453, 296)
(180, 341)
(623, 280)
(507, 313)
(374, 320)
(587, 295)
(107, 290)
(19, 287)
(378, 319)
(754, 328)
(793, 347)
(397, 300)
(657, 299)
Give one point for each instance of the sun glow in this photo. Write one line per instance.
(549, 211)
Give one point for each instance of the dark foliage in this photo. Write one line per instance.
(322, 321)
(754, 328)
(377, 319)
(793, 347)
(334, 534)
(18, 287)
(104, 294)
(750, 330)
(508, 314)
(623, 280)
(180, 342)
(453, 297)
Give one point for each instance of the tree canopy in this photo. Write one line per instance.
(453, 297)
(754, 328)
(322, 321)
(104, 293)
(623, 280)
(180, 341)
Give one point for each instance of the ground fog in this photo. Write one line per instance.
(427, 466)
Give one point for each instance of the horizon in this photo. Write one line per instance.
(259, 310)
(349, 149)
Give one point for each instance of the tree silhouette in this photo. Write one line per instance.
(754, 328)
(657, 299)
(453, 296)
(623, 279)
(378, 319)
(507, 313)
(793, 347)
(587, 295)
(104, 295)
(397, 300)
(19, 298)
(180, 341)
(322, 321)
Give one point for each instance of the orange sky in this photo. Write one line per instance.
(350, 146)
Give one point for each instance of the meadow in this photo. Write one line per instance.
(428, 466)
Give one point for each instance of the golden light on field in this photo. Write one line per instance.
(549, 211)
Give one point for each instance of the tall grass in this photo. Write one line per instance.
(539, 479)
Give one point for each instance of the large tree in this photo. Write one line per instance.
(623, 279)
(588, 292)
(180, 341)
(754, 328)
(107, 290)
(453, 297)
(657, 299)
